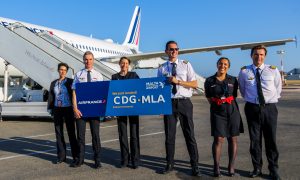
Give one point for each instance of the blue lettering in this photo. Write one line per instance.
(5, 24)
(34, 30)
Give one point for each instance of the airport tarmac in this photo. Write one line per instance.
(28, 149)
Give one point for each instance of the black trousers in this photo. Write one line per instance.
(183, 109)
(126, 156)
(94, 126)
(59, 115)
(262, 121)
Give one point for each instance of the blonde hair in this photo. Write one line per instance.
(88, 53)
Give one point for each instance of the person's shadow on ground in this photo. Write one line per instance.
(46, 149)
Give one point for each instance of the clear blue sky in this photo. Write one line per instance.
(192, 23)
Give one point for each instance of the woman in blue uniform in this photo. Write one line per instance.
(221, 92)
(134, 155)
(60, 105)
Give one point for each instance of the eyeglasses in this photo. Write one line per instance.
(62, 70)
(173, 49)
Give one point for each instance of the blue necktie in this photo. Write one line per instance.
(89, 79)
(174, 89)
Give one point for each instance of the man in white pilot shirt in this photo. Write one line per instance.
(87, 74)
(260, 86)
(183, 79)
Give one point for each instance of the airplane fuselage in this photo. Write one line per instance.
(100, 48)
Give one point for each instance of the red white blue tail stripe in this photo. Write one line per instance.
(133, 34)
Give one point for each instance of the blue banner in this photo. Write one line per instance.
(147, 96)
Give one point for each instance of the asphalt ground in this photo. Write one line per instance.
(28, 149)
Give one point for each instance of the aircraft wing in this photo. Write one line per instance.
(217, 49)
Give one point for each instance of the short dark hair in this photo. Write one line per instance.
(170, 42)
(62, 64)
(124, 57)
(221, 58)
(259, 47)
(88, 53)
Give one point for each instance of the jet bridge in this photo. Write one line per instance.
(37, 56)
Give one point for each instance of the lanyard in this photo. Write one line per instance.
(225, 89)
(59, 86)
(224, 86)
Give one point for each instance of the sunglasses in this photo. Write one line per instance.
(173, 49)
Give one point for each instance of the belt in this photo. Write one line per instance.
(219, 101)
(180, 99)
(253, 104)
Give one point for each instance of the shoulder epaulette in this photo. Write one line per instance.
(244, 67)
(185, 61)
(272, 67)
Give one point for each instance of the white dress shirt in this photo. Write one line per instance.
(270, 82)
(184, 72)
(81, 76)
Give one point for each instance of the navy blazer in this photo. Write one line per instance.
(129, 75)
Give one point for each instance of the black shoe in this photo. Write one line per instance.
(231, 174)
(135, 166)
(275, 176)
(76, 163)
(218, 175)
(97, 165)
(123, 165)
(255, 173)
(168, 169)
(60, 161)
(196, 171)
(73, 163)
(217, 172)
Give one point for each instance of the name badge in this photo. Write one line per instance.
(59, 103)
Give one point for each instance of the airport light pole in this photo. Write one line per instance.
(281, 53)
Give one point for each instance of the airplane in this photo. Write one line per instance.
(109, 52)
